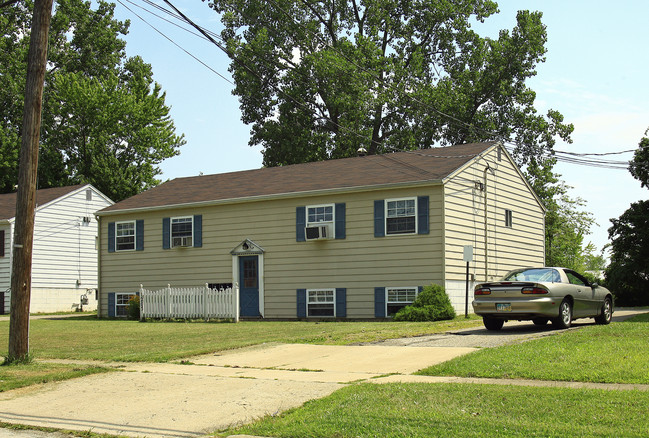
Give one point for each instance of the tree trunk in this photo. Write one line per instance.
(27, 176)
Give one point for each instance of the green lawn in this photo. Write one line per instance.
(89, 338)
(18, 376)
(613, 353)
(461, 410)
(616, 353)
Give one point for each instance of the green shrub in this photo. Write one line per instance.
(432, 304)
(134, 307)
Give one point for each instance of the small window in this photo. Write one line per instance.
(88, 195)
(125, 236)
(121, 304)
(401, 216)
(399, 298)
(509, 218)
(321, 303)
(181, 231)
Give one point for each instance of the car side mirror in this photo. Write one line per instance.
(594, 285)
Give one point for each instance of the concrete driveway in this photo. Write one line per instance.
(218, 390)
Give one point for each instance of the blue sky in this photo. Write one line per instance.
(596, 74)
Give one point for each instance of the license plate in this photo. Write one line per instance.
(503, 307)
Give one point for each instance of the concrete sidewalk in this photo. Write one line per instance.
(214, 392)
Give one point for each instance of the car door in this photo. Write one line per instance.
(583, 295)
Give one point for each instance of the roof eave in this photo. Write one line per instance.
(323, 192)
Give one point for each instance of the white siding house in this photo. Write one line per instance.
(64, 260)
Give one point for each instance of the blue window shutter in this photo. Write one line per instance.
(379, 218)
(341, 302)
(139, 235)
(111, 304)
(340, 221)
(166, 233)
(301, 303)
(379, 302)
(300, 223)
(111, 237)
(422, 215)
(198, 230)
(2, 243)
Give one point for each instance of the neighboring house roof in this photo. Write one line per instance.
(43, 196)
(425, 165)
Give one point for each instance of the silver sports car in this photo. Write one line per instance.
(542, 294)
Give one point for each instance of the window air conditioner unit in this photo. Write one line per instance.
(318, 232)
(182, 241)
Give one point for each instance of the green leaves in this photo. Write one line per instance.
(383, 75)
(105, 121)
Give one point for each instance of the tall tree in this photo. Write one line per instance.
(320, 79)
(628, 273)
(105, 120)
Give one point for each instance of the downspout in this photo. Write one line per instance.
(486, 240)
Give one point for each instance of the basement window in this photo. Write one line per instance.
(321, 303)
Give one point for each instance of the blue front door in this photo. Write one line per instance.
(249, 286)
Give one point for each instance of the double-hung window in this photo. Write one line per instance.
(401, 216)
(125, 236)
(400, 297)
(320, 214)
(321, 302)
(320, 221)
(182, 231)
(121, 304)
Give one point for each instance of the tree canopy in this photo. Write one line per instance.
(628, 273)
(105, 120)
(321, 79)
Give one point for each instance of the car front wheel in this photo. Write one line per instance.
(607, 313)
(492, 323)
(564, 319)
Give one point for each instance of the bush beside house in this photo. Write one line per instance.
(432, 304)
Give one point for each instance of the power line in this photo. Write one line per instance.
(175, 44)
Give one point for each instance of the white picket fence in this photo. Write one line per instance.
(190, 303)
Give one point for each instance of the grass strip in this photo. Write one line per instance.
(18, 376)
(615, 353)
(460, 410)
(89, 338)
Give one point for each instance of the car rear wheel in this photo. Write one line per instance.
(564, 319)
(607, 313)
(492, 323)
(540, 321)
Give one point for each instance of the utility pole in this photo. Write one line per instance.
(21, 275)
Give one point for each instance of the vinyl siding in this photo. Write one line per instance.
(359, 263)
(507, 248)
(64, 245)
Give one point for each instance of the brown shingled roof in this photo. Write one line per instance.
(372, 170)
(43, 196)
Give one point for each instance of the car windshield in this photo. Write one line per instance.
(535, 274)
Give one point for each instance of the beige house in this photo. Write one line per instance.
(348, 238)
